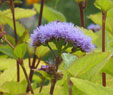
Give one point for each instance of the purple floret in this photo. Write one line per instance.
(94, 27)
(62, 30)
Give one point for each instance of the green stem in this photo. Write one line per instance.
(52, 51)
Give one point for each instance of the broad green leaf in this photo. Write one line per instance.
(7, 50)
(91, 88)
(104, 5)
(10, 74)
(19, 27)
(41, 51)
(50, 14)
(6, 63)
(108, 68)
(20, 50)
(10, 70)
(19, 13)
(89, 65)
(25, 36)
(14, 88)
(68, 59)
(58, 90)
(6, 18)
(108, 42)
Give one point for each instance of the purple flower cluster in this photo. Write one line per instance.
(62, 30)
(94, 27)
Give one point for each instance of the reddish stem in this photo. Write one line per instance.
(34, 58)
(82, 7)
(104, 14)
(15, 35)
(70, 86)
(41, 12)
(81, 14)
(53, 82)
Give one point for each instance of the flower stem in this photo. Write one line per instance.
(31, 71)
(41, 85)
(34, 58)
(41, 12)
(52, 51)
(26, 76)
(15, 35)
(104, 15)
(70, 86)
(82, 12)
(14, 21)
(53, 82)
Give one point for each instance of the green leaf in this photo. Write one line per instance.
(14, 88)
(20, 50)
(108, 68)
(58, 90)
(90, 65)
(25, 36)
(6, 63)
(5, 20)
(10, 73)
(104, 5)
(50, 14)
(91, 88)
(68, 59)
(19, 13)
(7, 50)
(41, 51)
(44, 74)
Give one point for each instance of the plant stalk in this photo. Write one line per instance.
(26, 76)
(53, 82)
(34, 58)
(70, 86)
(15, 35)
(104, 15)
(41, 85)
(82, 8)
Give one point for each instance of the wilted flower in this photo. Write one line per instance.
(30, 2)
(62, 30)
(94, 27)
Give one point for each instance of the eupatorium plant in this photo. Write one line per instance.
(62, 30)
(64, 35)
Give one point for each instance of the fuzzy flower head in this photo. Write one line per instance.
(62, 31)
(94, 27)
